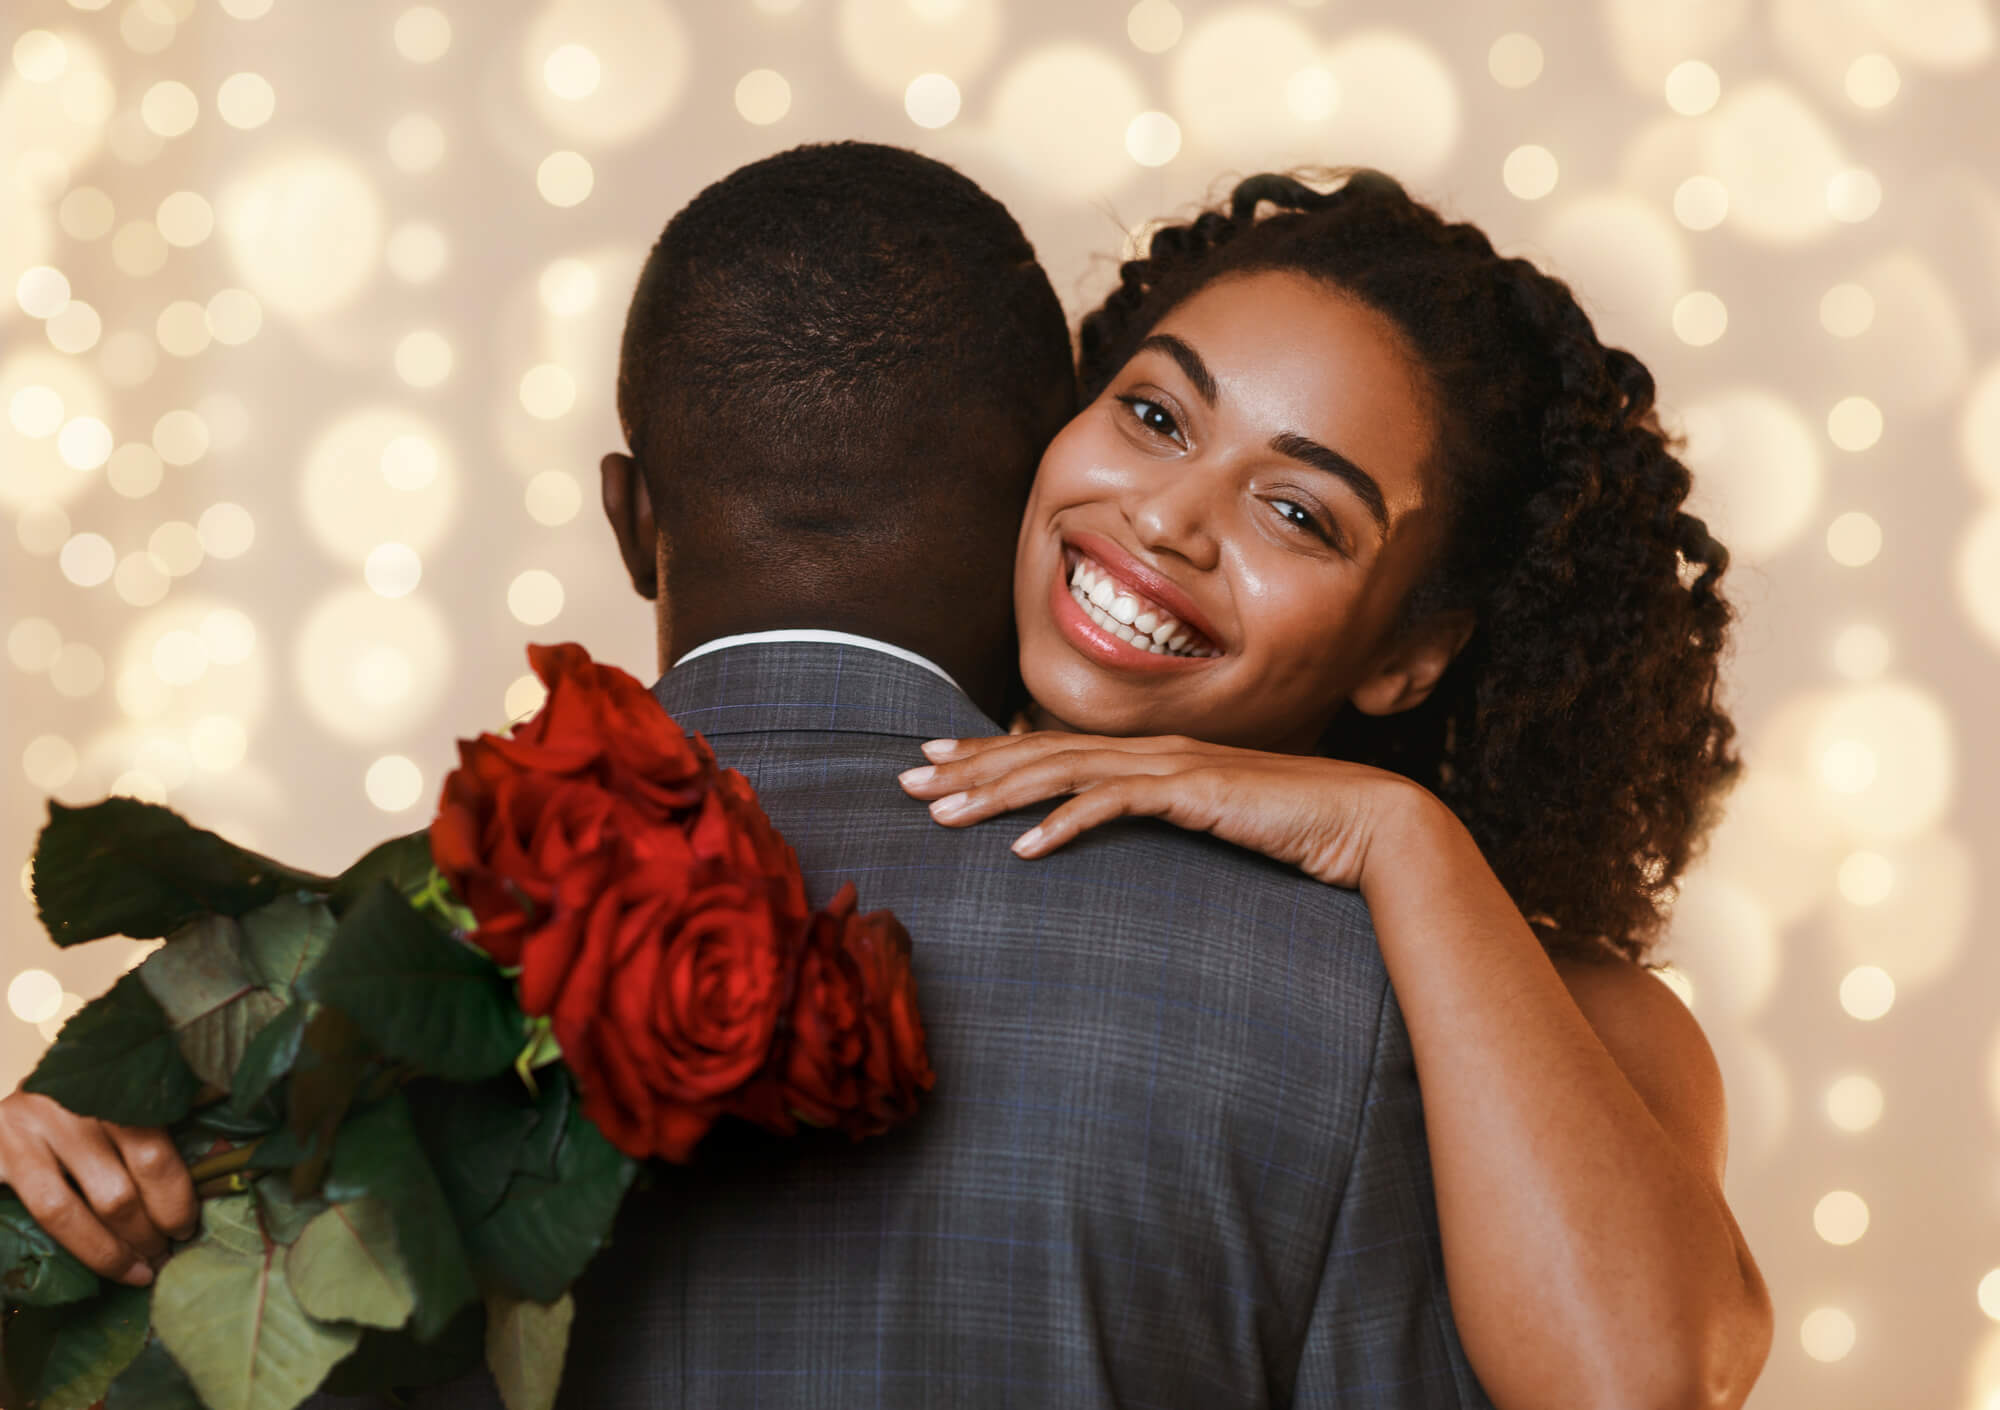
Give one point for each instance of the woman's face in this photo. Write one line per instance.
(1219, 544)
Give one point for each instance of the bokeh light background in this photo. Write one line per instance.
(308, 317)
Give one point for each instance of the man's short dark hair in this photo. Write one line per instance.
(836, 332)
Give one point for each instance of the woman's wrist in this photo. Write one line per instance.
(1411, 825)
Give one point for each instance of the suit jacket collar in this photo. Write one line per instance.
(797, 685)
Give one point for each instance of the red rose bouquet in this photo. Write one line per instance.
(422, 1088)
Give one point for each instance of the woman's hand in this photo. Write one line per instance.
(1323, 816)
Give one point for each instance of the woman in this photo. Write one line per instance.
(1368, 555)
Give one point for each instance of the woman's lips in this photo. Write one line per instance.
(1142, 581)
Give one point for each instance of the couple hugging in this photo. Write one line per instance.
(1348, 553)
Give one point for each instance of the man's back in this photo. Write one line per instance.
(1175, 1152)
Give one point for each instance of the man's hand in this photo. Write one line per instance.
(111, 1195)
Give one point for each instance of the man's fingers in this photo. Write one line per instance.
(97, 1166)
(162, 1178)
(69, 1221)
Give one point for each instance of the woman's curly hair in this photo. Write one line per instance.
(1578, 734)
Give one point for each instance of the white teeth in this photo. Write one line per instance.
(1178, 642)
(1146, 621)
(1163, 632)
(1102, 593)
(1125, 609)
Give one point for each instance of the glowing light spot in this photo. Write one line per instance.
(228, 636)
(36, 411)
(393, 570)
(1154, 25)
(226, 530)
(86, 213)
(75, 329)
(416, 252)
(1757, 470)
(303, 231)
(218, 743)
(394, 783)
(1631, 259)
(84, 443)
(169, 108)
(1514, 60)
(185, 219)
(1701, 203)
(377, 474)
(146, 28)
(553, 498)
(1700, 318)
(138, 249)
(885, 41)
(1153, 139)
(183, 328)
(1827, 1334)
(423, 358)
(49, 761)
(416, 143)
(88, 97)
(1848, 766)
(140, 580)
(135, 470)
(35, 994)
(572, 72)
(142, 695)
(763, 96)
(535, 597)
(1989, 1294)
(42, 292)
(1872, 81)
(1867, 993)
(1852, 195)
(409, 463)
(547, 391)
(1693, 88)
(1867, 878)
(246, 101)
(1853, 1103)
(567, 287)
(1979, 574)
(1840, 1217)
(76, 671)
(87, 560)
(1775, 156)
(40, 57)
(176, 547)
(423, 34)
(565, 178)
(1854, 423)
(32, 644)
(370, 668)
(1059, 117)
(1846, 310)
(931, 100)
(1312, 94)
(1529, 172)
(233, 317)
(525, 697)
(180, 657)
(181, 437)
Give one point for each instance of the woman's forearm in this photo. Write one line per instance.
(1590, 1261)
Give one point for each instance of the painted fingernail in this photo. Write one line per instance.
(940, 748)
(916, 778)
(950, 806)
(1027, 842)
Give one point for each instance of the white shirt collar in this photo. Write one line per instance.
(815, 634)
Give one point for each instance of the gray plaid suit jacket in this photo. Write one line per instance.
(1175, 1156)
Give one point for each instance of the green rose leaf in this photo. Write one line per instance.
(267, 1059)
(224, 1311)
(118, 1059)
(282, 941)
(419, 995)
(388, 1360)
(123, 867)
(346, 1267)
(285, 1215)
(209, 995)
(91, 1344)
(34, 1268)
(539, 1237)
(476, 1134)
(154, 1381)
(403, 862)
(376, 1155)
(525, 1344)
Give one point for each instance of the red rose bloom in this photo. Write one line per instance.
(856, 1056)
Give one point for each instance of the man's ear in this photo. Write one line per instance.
(629, 509)
(1413, 663)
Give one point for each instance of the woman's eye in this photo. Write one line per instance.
(1299, 517)
(1152, 416)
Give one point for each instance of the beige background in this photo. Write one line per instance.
(295, 462)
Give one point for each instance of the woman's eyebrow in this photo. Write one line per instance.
(1189, 360)
(1308, 451)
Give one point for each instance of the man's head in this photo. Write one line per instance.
(840, 367)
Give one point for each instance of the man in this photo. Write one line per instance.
(1175, 1155)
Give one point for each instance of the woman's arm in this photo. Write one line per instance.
(1574, 1112)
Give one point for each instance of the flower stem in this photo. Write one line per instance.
(222, 1163)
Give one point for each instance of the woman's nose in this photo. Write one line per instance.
(1178, 517)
